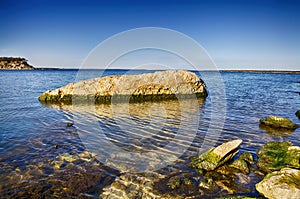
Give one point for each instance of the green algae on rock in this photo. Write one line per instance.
(280, 184)
(276, 155)
(242, 163)
(161, 85)
(278, 122)
(215, 157)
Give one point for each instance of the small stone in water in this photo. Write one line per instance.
(69, 124)
(298, 114)
(68, 157)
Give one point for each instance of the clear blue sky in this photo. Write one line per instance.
(237, 34)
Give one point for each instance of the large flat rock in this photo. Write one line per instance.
(143, 87)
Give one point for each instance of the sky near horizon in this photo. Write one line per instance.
(245, 34)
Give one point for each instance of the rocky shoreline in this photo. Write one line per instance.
(14, 63)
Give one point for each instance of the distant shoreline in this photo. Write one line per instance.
(231, 71)
(261, 71)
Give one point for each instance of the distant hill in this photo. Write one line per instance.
(14, 63)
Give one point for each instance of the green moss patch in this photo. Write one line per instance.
(46, 98)
(290, 179)
(210, 161)
(276, 155)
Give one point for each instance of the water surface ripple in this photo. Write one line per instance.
(34, 138)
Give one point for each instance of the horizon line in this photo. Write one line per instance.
(204, 70)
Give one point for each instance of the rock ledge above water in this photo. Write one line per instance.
(278, 122)
(130, 88)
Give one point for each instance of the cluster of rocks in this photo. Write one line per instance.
(11, 63)
(278, 162)
(281, 162)
(212, 176)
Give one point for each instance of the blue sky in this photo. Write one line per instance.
(236, 34)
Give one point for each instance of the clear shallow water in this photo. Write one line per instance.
(148, 136)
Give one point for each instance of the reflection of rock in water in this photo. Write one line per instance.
(275, 132)
(149, 132)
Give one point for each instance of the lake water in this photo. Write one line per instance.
(77, 151)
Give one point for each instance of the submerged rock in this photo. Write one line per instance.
(278, 122)
(176, 182)
(132, 186)
(276, 155)
(131, 88)
(298, 114)
(215, 157)
(69, 124)
(243, 161)
(281, 184)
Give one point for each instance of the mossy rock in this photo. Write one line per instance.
(298, 114)
(210, 161)
(208, 183)
(47, 99)
(278, 122)
(177, 182)
(248, 157)
(280, 184)
(215, 157)
(157, 86)
(243, 162)
(241, 165)
(276, 155)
